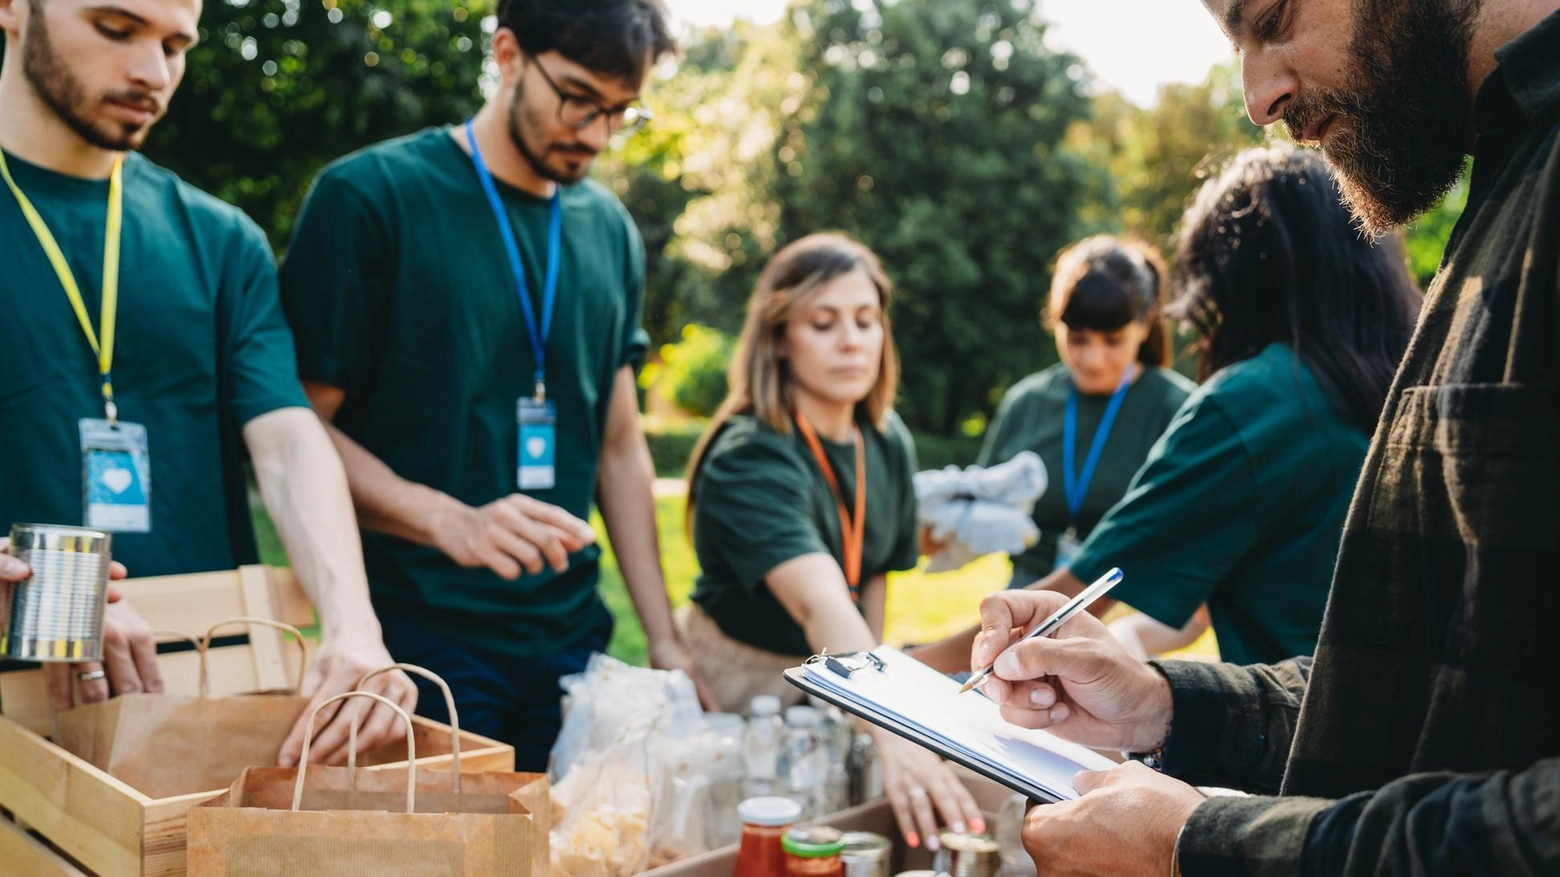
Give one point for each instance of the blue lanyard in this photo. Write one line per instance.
(554, 247)
(1077, 485)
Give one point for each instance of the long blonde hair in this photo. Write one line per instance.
(757, 380)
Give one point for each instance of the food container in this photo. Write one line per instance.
(56, 614)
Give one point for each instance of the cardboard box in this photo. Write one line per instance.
(874, 817)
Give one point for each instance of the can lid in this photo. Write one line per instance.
(969, 842)
(769, 811)
(765, 705)
(864, 842)
(801, 716)
(813, 842)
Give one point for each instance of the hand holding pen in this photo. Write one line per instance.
(1076, 679)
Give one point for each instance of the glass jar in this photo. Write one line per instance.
(764, 824)
(813, 851)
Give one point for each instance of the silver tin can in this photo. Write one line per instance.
(968, 855)
(866, 854)
(57, 613)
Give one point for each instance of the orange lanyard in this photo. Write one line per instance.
(853, 528)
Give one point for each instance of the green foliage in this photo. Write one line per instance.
(1159, 156)
(935, 451)
(1426, 237)
(933, 131)
(692, 372)
(671, 446)
(278, 88)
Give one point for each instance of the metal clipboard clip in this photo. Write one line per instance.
(847, 664)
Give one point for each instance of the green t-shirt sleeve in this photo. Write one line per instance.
(260, 372)
(1184, 524)
(332, 280)
(907, 548)
(997, 434)
(636, 341)
(754, 509)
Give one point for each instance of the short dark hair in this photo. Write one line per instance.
(1268, 253)
(615, 38)
(1103, 284)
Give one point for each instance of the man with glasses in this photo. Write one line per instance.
(466, 306)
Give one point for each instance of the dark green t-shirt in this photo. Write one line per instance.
(400, 293)
(761, 500)
(1240, 506)
(201, 349)
(1030, 418)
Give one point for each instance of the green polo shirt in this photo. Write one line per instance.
(201, 349)
(1240, 506)
(400, 293)
(1030, 418)
(761, 500)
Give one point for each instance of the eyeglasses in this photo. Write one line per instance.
(581, 112)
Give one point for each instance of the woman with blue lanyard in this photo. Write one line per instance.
(1241, 505)
(1092, 417)
(801, 501)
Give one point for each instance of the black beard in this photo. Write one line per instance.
(531, 158)
(59, 89)
(1407, 118)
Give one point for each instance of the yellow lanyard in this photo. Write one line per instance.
(104, 351)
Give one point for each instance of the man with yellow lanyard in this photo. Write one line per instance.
(147, 351)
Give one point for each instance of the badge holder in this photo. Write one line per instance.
(538, 443)
(117, 476)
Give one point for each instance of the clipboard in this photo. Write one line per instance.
(917, 707)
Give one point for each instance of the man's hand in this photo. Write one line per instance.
(1082, 684)
(510, 534)
(1125, 824)
(129, 649)
(337, 667)
(671, 654)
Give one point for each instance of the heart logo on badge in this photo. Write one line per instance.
(117, 480)
(536, 446)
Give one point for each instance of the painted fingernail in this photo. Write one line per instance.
(287, 761)
(1059, 714)
(958, 827)
(1007, 665)
(978, 826)
(932, 843)
(1042, 697)
(913, 839)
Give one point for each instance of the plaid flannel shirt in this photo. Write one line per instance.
(1424, 739)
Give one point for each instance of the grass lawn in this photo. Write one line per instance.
(921, 607)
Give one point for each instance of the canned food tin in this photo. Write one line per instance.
(866, 854)
(56, 614)
(968, 854)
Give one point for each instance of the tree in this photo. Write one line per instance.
(276, 89)
(933, 131)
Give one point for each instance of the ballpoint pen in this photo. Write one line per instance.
(1057, 619)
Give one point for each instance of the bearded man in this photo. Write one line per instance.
(1423, 738)
(144, 353)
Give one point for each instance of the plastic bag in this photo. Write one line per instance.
(631, 787)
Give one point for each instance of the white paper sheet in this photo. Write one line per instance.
(911, 693)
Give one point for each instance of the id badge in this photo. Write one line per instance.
(1067, 546)
(117, 474)
(537, 444)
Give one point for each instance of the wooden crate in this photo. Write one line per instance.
(69, 819)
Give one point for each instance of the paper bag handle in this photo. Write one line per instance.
(449, 703)
(411, 747)
(205, 646)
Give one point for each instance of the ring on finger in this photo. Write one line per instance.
(91, 675)
(917, 793)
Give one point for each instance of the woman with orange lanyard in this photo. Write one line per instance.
(801, 501)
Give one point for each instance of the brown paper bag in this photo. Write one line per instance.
(342, 822)
(165, 745)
